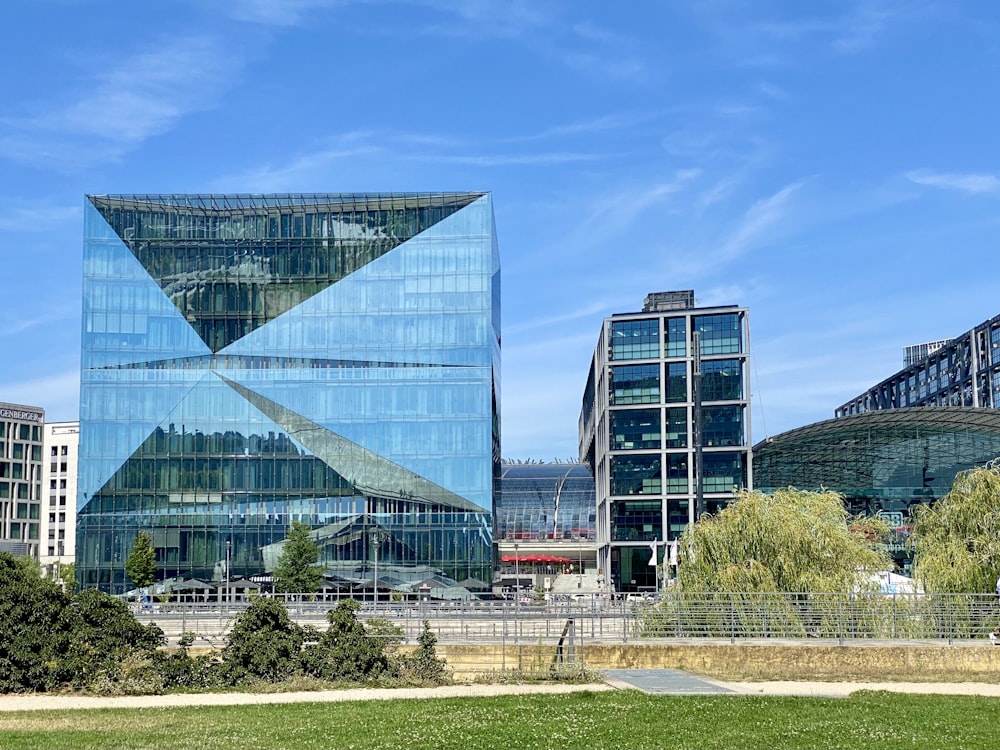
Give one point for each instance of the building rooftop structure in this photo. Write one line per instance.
(964, 371)
(545, 502)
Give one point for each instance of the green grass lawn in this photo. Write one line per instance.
(621, 719)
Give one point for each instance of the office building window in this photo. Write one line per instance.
(634, 429)
(635, 475)
(676, 433)
(635, 339)
(676, 382)
(723, 472)
(677, 473)
(635, 384)
(720, 334)
(722, 425)
(721, 380)
(675, 337)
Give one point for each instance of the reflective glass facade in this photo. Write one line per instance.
(545, 502)
(883, 462)
(253, 360)
(656, 409)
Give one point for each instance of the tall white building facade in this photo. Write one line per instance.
(57, 545)
(20, 478)
(665, 428)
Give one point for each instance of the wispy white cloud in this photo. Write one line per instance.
(775, 93)
(623, 68)
(852, 32)
(717, 193)
(594, 33)
(37, 218)
(758, 223)
(605, 123)
(313, 165)
(46, 316)
(753, 36)
(966, 183)
(736, 109)
(142, 96)
(860, 30)
(533, 323)
(306, 168)
(503, 160)
(610, 214)
(276, 12)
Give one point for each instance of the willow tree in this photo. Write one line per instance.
(957, 540)
(790, 541)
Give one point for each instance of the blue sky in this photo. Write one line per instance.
(832, 166)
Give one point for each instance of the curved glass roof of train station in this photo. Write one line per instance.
(545, 502)
(881, 460)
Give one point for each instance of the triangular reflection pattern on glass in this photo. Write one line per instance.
(250, 361)
(192, 462)
(224, 260)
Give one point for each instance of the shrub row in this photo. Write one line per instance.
(90, 641)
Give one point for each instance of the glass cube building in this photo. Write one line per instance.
(253, 360)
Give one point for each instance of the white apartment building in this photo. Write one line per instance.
(58, 514)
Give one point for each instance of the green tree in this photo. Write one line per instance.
(791, 541)
(957, 539)
(140, 567)
(296, 570)
(67, 575)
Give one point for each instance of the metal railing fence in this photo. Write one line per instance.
(840, 616)
(673, 614)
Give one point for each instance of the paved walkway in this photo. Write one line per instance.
(653, 681)
(675, 682)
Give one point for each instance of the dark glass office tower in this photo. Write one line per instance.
(665, 428)
(250, 360)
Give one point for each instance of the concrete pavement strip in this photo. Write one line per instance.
(649, 681)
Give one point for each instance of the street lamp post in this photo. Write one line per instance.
(375, 544)
(517, 576)
(377, 537)
(229, 552)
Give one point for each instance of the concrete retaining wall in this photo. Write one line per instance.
(760, 661)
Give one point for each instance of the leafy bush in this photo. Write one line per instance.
(36, 629)
(264, 644)
(49, 640)
(347, 650)
(107, 638)
(423, 664)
